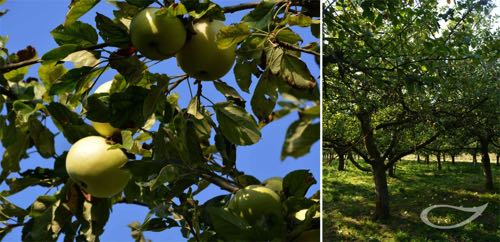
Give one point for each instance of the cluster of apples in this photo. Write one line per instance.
(159, 37)
(254, 202)
(90, 162)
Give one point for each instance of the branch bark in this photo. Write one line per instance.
(220, 182)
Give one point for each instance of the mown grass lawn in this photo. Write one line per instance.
(348, 204)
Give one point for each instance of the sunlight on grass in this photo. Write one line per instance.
(349, 204)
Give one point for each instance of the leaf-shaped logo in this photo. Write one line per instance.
(477, 212)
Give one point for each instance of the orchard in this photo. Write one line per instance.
(112, 128)
(410, 91)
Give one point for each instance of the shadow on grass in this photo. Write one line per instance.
(349, 204)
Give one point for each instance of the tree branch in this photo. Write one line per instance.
(220, 182)
(14, 66)
(293, 47)
(411, 150)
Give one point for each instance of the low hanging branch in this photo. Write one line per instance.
(14, 66)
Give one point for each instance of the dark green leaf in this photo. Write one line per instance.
(156, 95)
(288, 36)
(274, 56)
(69, 123)
(228, 225)
(77, 33)
(236, 124)
(226, 150)
(140, 3)
(42, 137)
(229, 92)
(261, 16)
(232, 35)
(97, 107)
(60, 52)
(296, 73)
(131, 68)
(126, 108)
(300, 136)
(77, 9)
(296, 183)
(243, 74)
(167, 174)
(68, 82)
(264, 97)
(113, 33)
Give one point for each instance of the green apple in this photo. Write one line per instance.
(104, 129)
(254, 201)
(274, 183)
(201, 58)
(157, 36)
(301, 215)
(96, 168)
(312, 235)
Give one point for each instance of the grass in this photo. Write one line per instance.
(348, 204)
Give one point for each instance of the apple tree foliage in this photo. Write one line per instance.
(400, 75)
(194, 146)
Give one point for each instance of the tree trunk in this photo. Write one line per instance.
(485, 160)
(444, 157)
(382, 192)
(498, 156)
(418, 158)
(341, 166)
(427, 159)
(452, 159)
(474, 158)
(438, 156)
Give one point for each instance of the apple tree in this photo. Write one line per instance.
(133, 143)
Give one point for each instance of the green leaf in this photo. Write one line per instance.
(194, 108)
(15, 152)
(155, 96)
(23, 111)
(231, 35)
(16, 75)
(229, 92)
(243, 74)
(98, 108)
(113, 33)
(187, 144)
(296, 73)
(296, 183)
(260, 17)
(127, 139)
(226, 150)
(68, 82)
(236, 124)
(50, 73)
(60, 52)
(227, 225)
(299, 19)
(94, 216)
(167, 174)
(274, 56)
(288, 36)
(264, 97)
(71, 125)
(77, 33)
(42, 137)
(131, 68)
(300, 136)
(126, 108)
(77, 9)
(9, 210)
(83, 58)
(207, 9)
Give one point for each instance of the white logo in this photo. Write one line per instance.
(477, 212)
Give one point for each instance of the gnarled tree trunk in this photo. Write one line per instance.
(485, 160)
(381, 191)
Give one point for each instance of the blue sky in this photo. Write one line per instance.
(29, 22)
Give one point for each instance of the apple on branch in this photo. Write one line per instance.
(201, 57)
